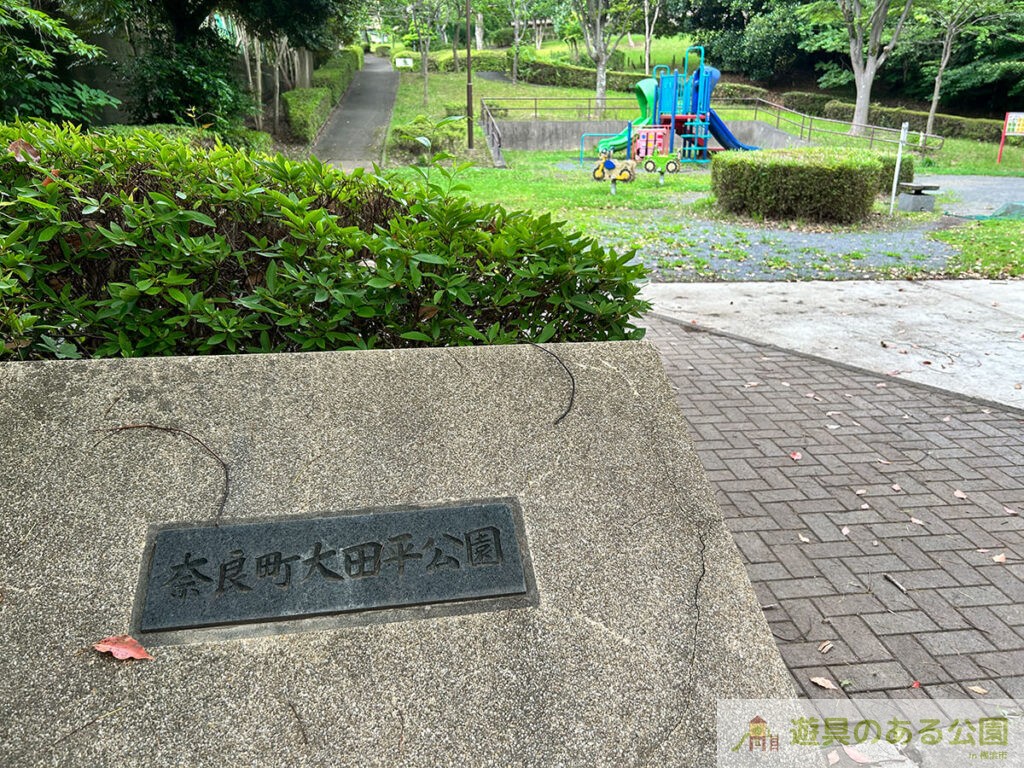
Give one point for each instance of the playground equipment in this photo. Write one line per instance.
(608, 168)
(676, 120)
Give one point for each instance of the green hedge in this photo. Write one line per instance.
(140, 246)
(949, 126)
(889, 168)
(807, 102)
(541, 72)
(336, 75)
(306, 110)
(384, 51)
(243, 138)
(816, 184)
(738, 91)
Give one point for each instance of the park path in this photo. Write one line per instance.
(354, 134)
(874, 513)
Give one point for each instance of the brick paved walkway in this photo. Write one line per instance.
(881, 537)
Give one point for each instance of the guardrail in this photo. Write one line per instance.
(553, 108)
(821, 128)
(492, 134)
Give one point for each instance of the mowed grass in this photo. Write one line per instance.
(991, 249)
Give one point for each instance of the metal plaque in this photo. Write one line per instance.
(293, 568)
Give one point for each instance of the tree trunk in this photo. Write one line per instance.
(538, 33)
(455, 49)
(257, 53)
(277, 97)
(601, 60)
(629, 40)
(424, 66)
(479, 31)
(947, 52)
(864, 78)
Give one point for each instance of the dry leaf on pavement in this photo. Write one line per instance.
(803, 538)
(846, 530)
(915, 521)
(824, 682)
(1000, 558)
(796, 455)
(959, 494)
(977, 689)
(122, 647)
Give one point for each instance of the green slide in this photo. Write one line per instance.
(645, 92)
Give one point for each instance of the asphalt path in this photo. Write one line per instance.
(354, 134)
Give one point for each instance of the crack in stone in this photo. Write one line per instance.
(696, 601)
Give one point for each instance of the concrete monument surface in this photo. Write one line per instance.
(641, 615)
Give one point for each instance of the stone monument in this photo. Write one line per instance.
(474, 556)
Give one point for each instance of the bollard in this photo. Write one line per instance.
(613, 186)
(661, 178)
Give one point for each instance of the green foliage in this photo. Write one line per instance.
(31, 42)
(142, 246)
(541, 72)
(421, 135)
(815, 184)
(442, 61)
(306, 110)
(888, 162)
(808, 102)
(738, 91)
(384, 51)
(950, 126)
(336, 75)
(243, 138)
(194, 81)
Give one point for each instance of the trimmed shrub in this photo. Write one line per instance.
(809, 103)
(949, 126)
(306, 110)
(144, 247)
(817, 184)
(384, 51)
(738, 91)
(888, 162)
(336, 75)
(405, 138)
(541, 72)
(243, 138)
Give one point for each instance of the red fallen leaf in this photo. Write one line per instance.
(856, 756)
(54, 173)
(20, 148)
(916, 684)
(122, 647)
(796, 455)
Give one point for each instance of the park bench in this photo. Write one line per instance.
(913, 197)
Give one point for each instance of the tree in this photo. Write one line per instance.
(31, 41)
(424, 16)
(651, 10)
(955, 19)
(868, 30)
(604, 24)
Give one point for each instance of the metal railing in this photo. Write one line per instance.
(493, 134)
(822, 129)
(554, 108)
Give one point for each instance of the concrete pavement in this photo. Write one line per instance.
(962, 336)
